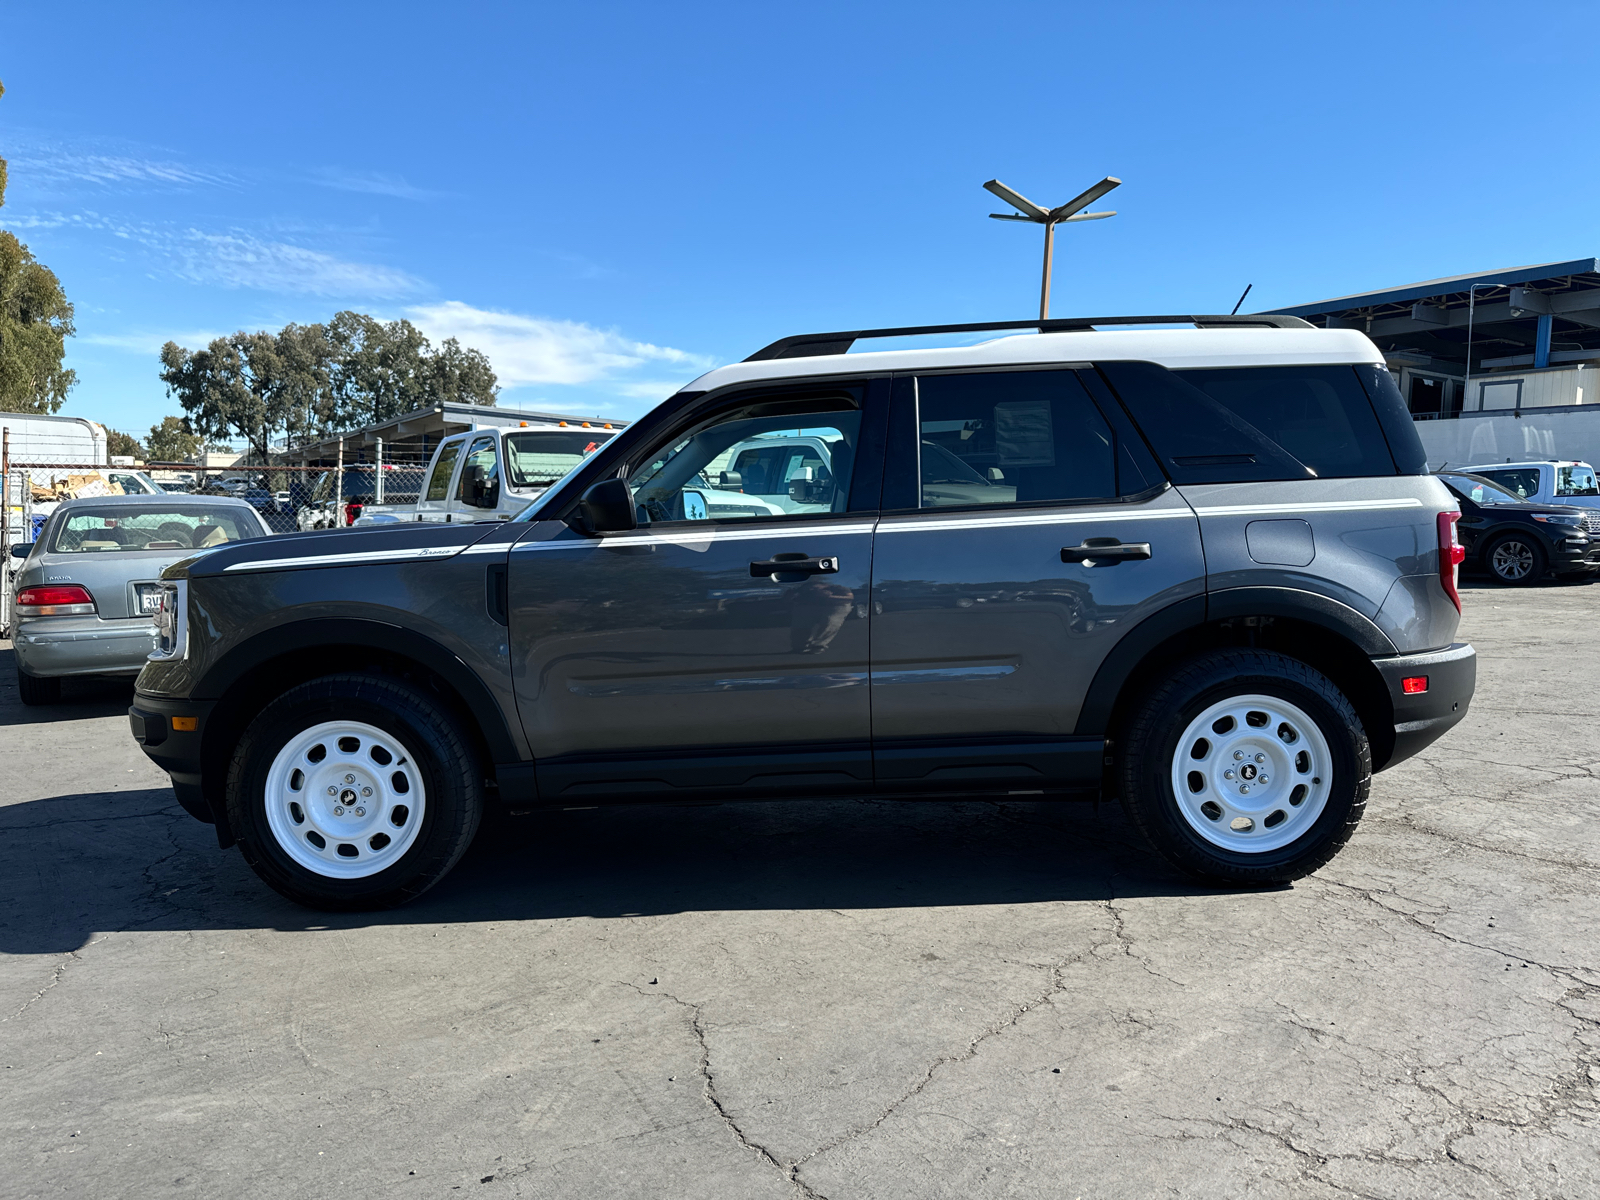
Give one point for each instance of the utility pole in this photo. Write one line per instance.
(1050, 218)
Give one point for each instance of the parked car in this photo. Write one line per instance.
(335, 506)
(1517, 542)
(1204, 570)
(86, 591)
(1551, 481)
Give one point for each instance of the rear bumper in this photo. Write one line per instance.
(1420, 718)
(177, 752)
(54, 646)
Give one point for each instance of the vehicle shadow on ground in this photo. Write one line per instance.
(80, 698)
(86, 864)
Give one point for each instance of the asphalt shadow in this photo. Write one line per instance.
(84, 864)
(90, 696)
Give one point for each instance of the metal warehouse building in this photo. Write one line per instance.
(1495, 366)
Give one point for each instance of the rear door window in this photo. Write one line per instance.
(1019, 437)
(1576, 481)
(1242, 424)
(1524, 481)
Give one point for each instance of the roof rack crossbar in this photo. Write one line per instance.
(806, 345)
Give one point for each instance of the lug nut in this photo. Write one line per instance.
(1264, 779)
(1238, 755)
(1261, 758)
(1244, 789)
(349, 778)
(366, 791)
(361, 812)
(1228, 774)
(337, 811)
(333, 791)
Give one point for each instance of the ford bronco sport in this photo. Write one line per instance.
(1199, 568)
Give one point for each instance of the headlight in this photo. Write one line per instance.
(1557, 519)
(171, 621)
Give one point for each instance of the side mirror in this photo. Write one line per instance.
(810, 486)
(22, 550)
(996, 475)
(607, 507)
(731, 481)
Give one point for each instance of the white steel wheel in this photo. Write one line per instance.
(1252, 773)
(345, 799)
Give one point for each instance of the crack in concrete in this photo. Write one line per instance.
(1485, 847)
(55, 978)
(160, 812)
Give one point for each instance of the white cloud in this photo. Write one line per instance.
(243, 260)
(237, 258)
(538, 350)
(48, 167)
(149, 343)
(372, 183)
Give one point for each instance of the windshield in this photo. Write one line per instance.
(138, 527)
(540, 457)
(1480, 490)
(1576, 481)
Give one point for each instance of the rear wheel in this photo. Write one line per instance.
(32, 690)
(1245, 766)
(1515, 559)
(354, 792)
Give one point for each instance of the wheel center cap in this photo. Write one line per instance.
(347, 797)
(1248, 771)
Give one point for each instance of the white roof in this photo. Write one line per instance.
(1173, 348)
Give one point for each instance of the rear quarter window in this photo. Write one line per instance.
(1244, 424)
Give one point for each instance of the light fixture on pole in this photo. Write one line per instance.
(1027, 210)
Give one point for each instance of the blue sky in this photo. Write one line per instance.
(608, 198)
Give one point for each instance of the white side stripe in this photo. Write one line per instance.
(1240, 510)
(695, 539)
(367, 556)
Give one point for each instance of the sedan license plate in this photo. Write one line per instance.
(149, 598)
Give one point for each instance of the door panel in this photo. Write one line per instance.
(723, 644)
(1041, 532)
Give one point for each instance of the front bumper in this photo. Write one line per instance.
(53, 646)
(177, 751)
(1421, 718)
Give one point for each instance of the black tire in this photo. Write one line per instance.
(445, 757)
(1149, 740)
(34, 690)
(1515, 560)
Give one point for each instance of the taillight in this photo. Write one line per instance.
(55, 600)
(351, 512)
(1451, 553)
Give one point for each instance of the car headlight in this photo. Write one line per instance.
(171, 621)
(1558, 519)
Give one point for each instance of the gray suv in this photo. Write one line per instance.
(1201, 568)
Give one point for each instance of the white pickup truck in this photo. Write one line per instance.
(490, 474)
(1550, 481)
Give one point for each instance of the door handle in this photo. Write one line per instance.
(1104, 550)
(791, 568)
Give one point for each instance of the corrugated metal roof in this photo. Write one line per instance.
(1450, 284)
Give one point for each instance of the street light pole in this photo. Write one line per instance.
(1050, 218)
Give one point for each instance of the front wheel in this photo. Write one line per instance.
(354, 792)
(1245, 766)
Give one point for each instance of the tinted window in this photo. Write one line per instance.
(1014, 437)
(481, 460)
(1524, 481)
(135, 527)
(1576, 481)
(1480, 490)
(439, 481)
(1237, 424)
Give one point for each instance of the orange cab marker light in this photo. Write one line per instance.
(1413, 685)
(184, 724)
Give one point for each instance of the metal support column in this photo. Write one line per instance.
(1541, 343)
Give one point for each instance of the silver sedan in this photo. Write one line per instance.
(85, 593)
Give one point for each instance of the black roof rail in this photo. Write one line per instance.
(806, 345)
